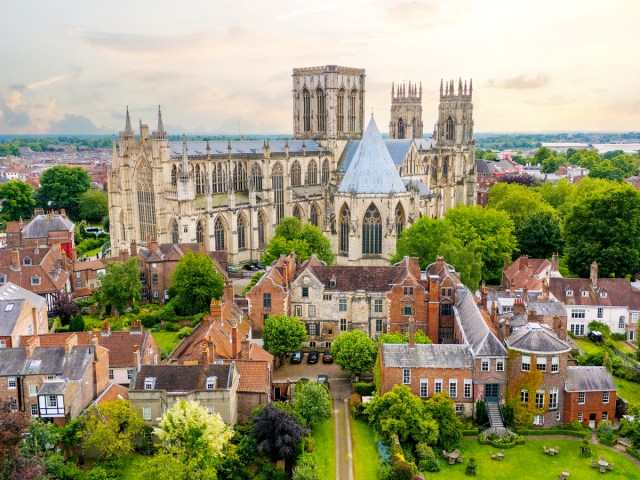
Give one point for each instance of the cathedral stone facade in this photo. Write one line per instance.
(361, 190)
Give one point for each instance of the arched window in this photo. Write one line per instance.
(199, 180)
(262, 222)
(325, 172)
(400, 128)
(199, 232)
(399, 219)
(315, 214)
(242, 227)
(296, 174)
(277, 184)
(146, 200)
(345, 224)
(219, 234)
(372, 232)
(174, 175)
(445, 168)
(451, 129)
(239, 177)
(312, 173)
(321, 110)
(306, 106)
(352, 110)
(341, 110)
(175, 231)
(256, 177)
(123, 228)
(297, 212)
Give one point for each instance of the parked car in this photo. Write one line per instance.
(323, 379)
(251, 267)
(257, 266)
(297, 356)
(327, 357)
(313, 356)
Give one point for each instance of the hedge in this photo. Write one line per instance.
(611, 442)
(634, 452)
(469, 433)
(554, 431)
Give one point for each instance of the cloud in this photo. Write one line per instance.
(12, 119)
(46, 82)
(521, 82)
(137, 43)
(76, 124)
(425, 14)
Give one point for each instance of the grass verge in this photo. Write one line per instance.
(365, 453)
(167, 341)
(628, 390)
(325, 452)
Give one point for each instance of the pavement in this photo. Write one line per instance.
(340, 392)
(294, 372)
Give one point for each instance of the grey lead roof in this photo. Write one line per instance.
(11, 291)
(427, 356)
(473, 327)
(372, 169)
(242, 147)
(589, 379)
(46, 361)
(536, 337)
(41, 224)
(9, 313)
(397, 150)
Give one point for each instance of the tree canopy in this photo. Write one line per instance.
(517, 200)
(277, 433)
(196, 281)
(354, 351)
(120, 285)
(283, 334)
(291, 236)
(441, 409)
(16, 198)
(61, 187)
(540, 235)
(313, 402)
(397, 337)
(93, 205)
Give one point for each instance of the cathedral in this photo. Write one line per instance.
(337, 172)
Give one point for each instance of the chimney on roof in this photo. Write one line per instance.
(439, 263)
(212, 349)
(69, 343)
(227, 294)
(245, 348)
(204, 354)
(505, 261)
(518, 305)
(594, 275)
(483, 294)
(525, 292)
(215, 311)
(106, 328)
(15, 260)
(136, 358)
(560, 326)
(512, 289)
(494, 315)
(412, 332)
(154, 245)
(234, 341)
(34, 320)
(506, 328)
(555, 262)
(63, 212)
(31, 344)
(136, 326)
(134, 248)
(95, 345)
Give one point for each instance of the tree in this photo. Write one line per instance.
(42, 438)
(17, 200)
(13, 424)
(397, 337)
(282, 334)
(558, 195)
(542, 154)
(61, 187)
(604, 227)
(76, 324)
(442, 410)
(354, 351)
(522, 178)
(195, 282)
(65, 308)
(120, 286)
(291, 236)
(540, 236)
(402, 413)
(630, 425)
(277, 433)
(517, 200)
(553, 163)
(313, 402)
(606, 171)
(112, 428)
(93, 205)
(306, 469)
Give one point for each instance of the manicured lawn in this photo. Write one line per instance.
(133, 465)
(630, 391)
(365, 453)
(625, 347)
(167, 341)
(325, 452)
(529, 462)
(588, 346)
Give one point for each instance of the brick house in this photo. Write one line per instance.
(22, 313)
(43, 230)
(86, 277)
(590, 395)
(55, 383)
(158, 387)
(526, 273)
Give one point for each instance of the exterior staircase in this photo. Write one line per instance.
(495, 419)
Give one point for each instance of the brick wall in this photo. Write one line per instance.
(592, 408)
(255, 297)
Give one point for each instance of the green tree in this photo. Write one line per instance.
(93, 205)
(627, 164)
(604, 227)
(16, 198)
(42, 438)
(61, 187)
(540, 236)
(313, 403)
(542, 154)
(402, 413)
(290, 236)
(306, 469)
(490, 156)
(283, 334)
(120, 285)
(112, 428)
(441, 409)
(518, 201)
(196, 281)
(354, 351)
(606, 171)
(586, 158)
(558, 195)
(630, 425)
(397, 337)
(553, 163)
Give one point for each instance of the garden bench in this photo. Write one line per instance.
(625, 442)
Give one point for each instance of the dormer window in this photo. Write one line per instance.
(35, 280)
(584, 293)
(26, 261)
(3, 279)
(569, 293)
(211, 383)
(149, 383)
(603, 294)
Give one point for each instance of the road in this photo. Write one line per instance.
(340, 392)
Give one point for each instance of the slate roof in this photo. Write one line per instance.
(618, 292)
(175, 251)
(421, 187)
(184, 378)
(9, 314)
(243, 148)
(352, 278)
(397, 149)
(589, 379)
(474, 328)
(41, 225)
(536, 338)
(427, 356)
(11, 291)
(46, 361)
(547, 308)
(372, 170)
(425, 143)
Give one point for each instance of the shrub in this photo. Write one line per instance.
(471, 467)
(148, 320)
(184, 332)
(171, 327)
(365, 388)
(424, 451)
(309, 444)
(357, 407)
(618, 336)
(508, 414)
(402, 470)
(76, 324)
(428, 461)
(482, 417)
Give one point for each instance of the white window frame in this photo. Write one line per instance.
(343, 324)
(555, 364)
(524, 396)
(622, 321)
(342, 304)
(377, 305)
(437, 385)
(553, 399)
(406, 376)
(541, 364)
(424, 387)
(525, 361)
(600, 313)
(297, 310)
(578, 313)
(538, 420)
(146, 413)
(453, 388)
(52, 401)
(311, 310)
(580, 416)
(484, 366)
(605, 415)
(468, 390)
(459, 409)
(34, 410)
(499, 365)
(149, 383)
(111, 374)
(540, 398)
(605, 397)
(33, 389)
(12, 383)
(558, 416)
(581, 398)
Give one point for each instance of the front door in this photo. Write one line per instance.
(491, 392)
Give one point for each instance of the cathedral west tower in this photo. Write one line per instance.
(406, 112)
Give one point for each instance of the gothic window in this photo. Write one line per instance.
(297, 212)
(239, 177)
(200, 176)
(199, 232)
(242, 227)
(312, 173)
(352, 110)
(306, 105)
(399, 219)
(345, 220)
(219, 234)
(445, 168)
(372, 232)
(450, 129)
(123, 228)
(175, 235)
(400, 128)
(325, 172)
(256, 177)
(296, 174)
(322, 112)
(174, 176)
(341, 110)
(315, 215)
(262, 222)
(219, 178)
(277, 184)
(146, 200)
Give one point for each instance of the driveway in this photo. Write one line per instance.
(294, 372)
(340, 392)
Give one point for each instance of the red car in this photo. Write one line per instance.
(327, 357)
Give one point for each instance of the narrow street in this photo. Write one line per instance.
(340, 392)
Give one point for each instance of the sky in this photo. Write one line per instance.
(216, 66)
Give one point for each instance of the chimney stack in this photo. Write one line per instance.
(228, 291)
(34, 320)
(555, 262)
(134, 248)
(106, 328)
(32, 344)
(95, 345)
(136, 358)
(412, 328)
(518, 305)
(245, 349)
(594, 275)
(69, 343)
(204, 355)
(494, 316)
(15, 260)
(483, 295)
(212, 349)
(215, 311)
(136, 326)
(234, 341)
